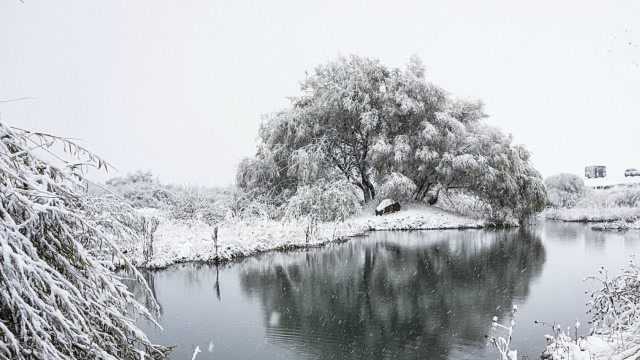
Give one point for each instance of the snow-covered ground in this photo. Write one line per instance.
(593, 214)
(594, 347)
(619, 204)
(618, 225)
(180, 241)
(416, 217)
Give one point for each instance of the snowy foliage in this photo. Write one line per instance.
(323, 202)
(397, 186)
(464, 203)
(615, 306)
(619, 203)
(198, 203)
(58, 299)
(142, 190)
(257, 174)
(252, 205)
(565, 190)
(624, 197)
(358, 120)
(594, 214)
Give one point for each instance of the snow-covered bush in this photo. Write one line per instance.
(142, 190)
(252, 205)
(624, 197)
(565, 190)
(619, 203)
(58, 299)
(323, 201)
(197, 203)
(615, 306)
(398, 187)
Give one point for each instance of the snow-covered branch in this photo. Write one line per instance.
(58, 298)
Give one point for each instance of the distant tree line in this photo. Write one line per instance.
(361, 124)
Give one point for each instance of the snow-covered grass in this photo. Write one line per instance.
(620, 225)
(182, 241)
(415, 217)
(593, 214)
(619, 204)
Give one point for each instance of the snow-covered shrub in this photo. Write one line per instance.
(141, 189)
(615, 311)
(398, 187)
(245, 205)
(619, 203)
(324, 201)
(565, 190)
(624, 197)
(198, 204)
(594, 213)
(58, 300)
(615, 306)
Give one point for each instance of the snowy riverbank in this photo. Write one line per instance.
(184, 241)
(618, 226)
(625, 346)
(593, 214)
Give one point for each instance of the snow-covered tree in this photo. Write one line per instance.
(329, 129)
(565, 189)
(141, 189)
(58, 297)
(359, 121)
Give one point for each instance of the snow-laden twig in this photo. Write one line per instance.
(502, 343)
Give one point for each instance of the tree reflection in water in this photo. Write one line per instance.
(394, 295)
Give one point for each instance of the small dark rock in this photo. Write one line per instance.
(387, 206)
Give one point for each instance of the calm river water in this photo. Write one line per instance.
(391, 295)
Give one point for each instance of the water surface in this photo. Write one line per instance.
(391, 295)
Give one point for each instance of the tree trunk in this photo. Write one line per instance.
(423, 191)
(368, 189)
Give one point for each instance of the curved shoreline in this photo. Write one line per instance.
(181, 242)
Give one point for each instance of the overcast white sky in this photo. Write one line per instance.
(178, 87)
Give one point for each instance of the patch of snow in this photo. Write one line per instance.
(183, 241)
(593, 214)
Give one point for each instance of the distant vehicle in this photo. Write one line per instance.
(631, 172)
(387, 206)
(596, 171)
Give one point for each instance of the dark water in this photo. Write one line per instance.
(392, 295)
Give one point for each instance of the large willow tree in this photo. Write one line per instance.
(58, 297)
(360, 121)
